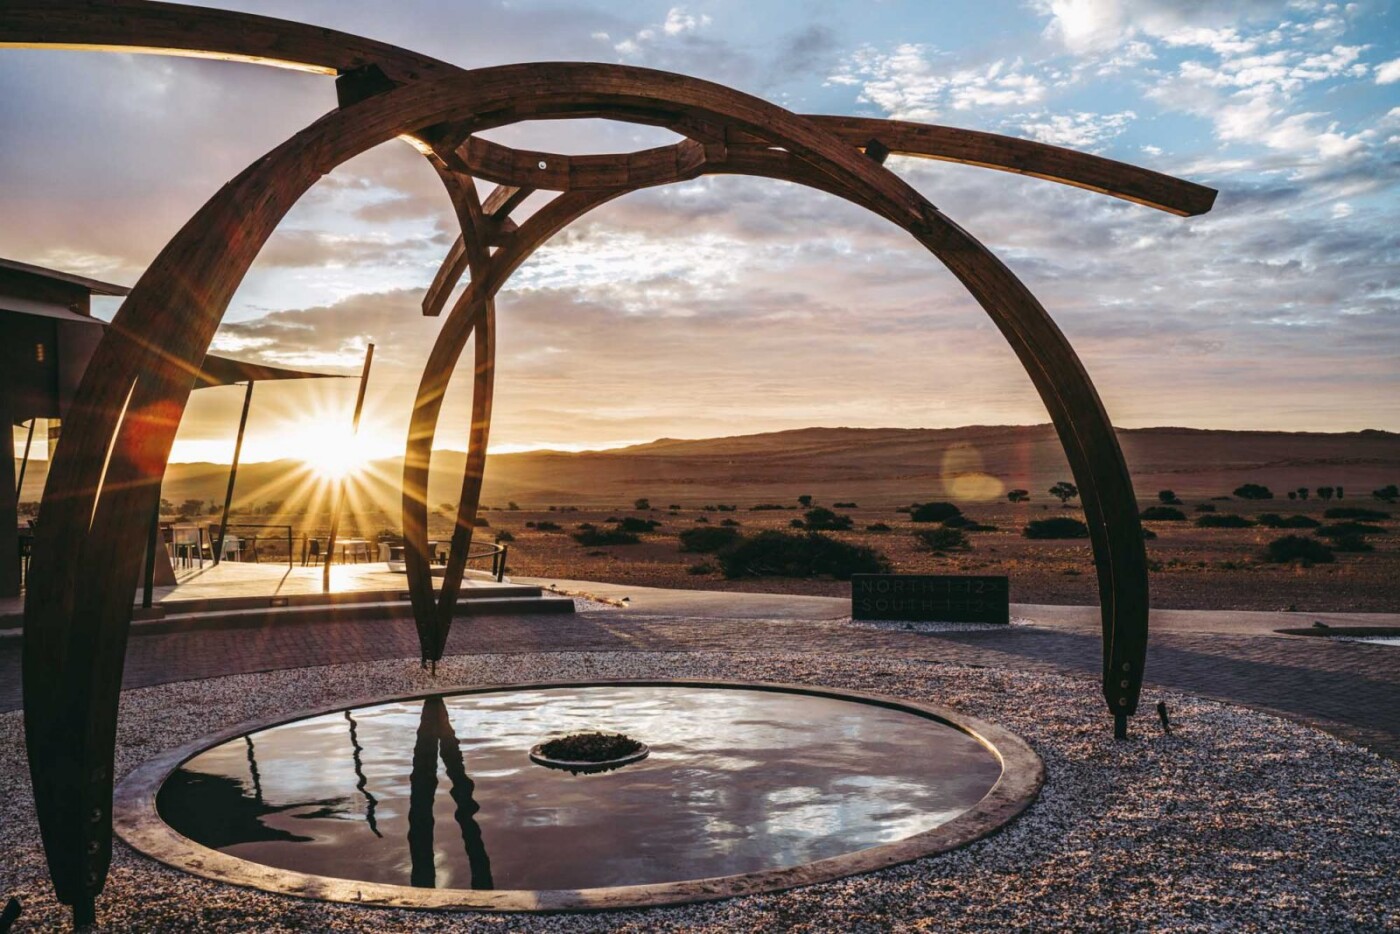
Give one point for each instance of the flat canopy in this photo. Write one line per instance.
(224, 371)
(95, 286)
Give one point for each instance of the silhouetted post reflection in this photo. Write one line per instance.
(363, 782)
(435, 737)
(463, 791)
(253, 769)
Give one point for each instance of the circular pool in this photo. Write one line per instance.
(434, 802)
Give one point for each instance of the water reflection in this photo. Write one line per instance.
(737, 781)
(362, 782)
(436, 738)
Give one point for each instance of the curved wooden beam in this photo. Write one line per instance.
(200, 32)
(1026, 157)
(475, 306)
(555, 172)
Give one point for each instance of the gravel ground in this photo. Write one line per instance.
(1239, 822)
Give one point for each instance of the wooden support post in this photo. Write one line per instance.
(233, 474)
(340, 491)
(9, 506)
(24, 461)
(153, 542)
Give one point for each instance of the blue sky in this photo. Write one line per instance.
(728, 306)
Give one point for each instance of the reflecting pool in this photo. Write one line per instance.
(440, 792)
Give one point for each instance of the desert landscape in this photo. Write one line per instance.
(1200, 556)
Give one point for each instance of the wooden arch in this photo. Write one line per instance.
(103, 484)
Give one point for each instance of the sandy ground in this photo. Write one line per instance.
(1193, 568)
(1239, 821)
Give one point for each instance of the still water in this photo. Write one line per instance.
(441, 792)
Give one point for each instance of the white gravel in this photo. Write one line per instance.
(1239, 822)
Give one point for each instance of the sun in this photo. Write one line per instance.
(329, 448)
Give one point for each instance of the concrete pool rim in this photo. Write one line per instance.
(138, 823)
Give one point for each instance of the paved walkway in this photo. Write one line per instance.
(1351, 689)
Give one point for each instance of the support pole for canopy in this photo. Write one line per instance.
(340, 492)
(233, 473)
(9, 506)
(153, 542)
(24, 461)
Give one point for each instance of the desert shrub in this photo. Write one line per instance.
(941, 540)
(805, 500)
(503, 536)
(1163, 514)
(769, 507)
(1205, 507)
(513, 506)
(641, 505)
(1356, 512)
(1148, 534)
(877, 527)
(1253, 491)
(967, 524)
(822, 519)
(1273, 520)
(707, 540)
(731, 523)
(704, 567)
(844, 506)
(1018, 496)
(547, 526)
(782, 554)
(585, 526)
(481, 523)
(1342, 529)
(1387, 494)
(1297, 548)
(933, 512)
(1351, 543)
(674, 507)
(723, 508)
(1056, 527)
(702, 518)
(633, 524)
(1064, 491)
(1224, 521)
(1167, 498)
(595, 537)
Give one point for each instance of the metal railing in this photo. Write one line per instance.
(491, 552)
(253, 542)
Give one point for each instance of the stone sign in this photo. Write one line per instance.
(930, 597)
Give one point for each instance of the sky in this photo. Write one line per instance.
(728, 306)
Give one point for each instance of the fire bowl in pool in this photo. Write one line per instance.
(433, 801)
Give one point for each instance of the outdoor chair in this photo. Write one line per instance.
(233, 549)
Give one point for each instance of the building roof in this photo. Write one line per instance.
(94, 286)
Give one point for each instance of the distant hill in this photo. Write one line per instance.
(869, 465)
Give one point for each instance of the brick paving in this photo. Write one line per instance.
(1350, 689)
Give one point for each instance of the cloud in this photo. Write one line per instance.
(1076, 130)
(1388, 72)
(913, 82)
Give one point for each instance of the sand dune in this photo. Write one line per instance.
(876, 465)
